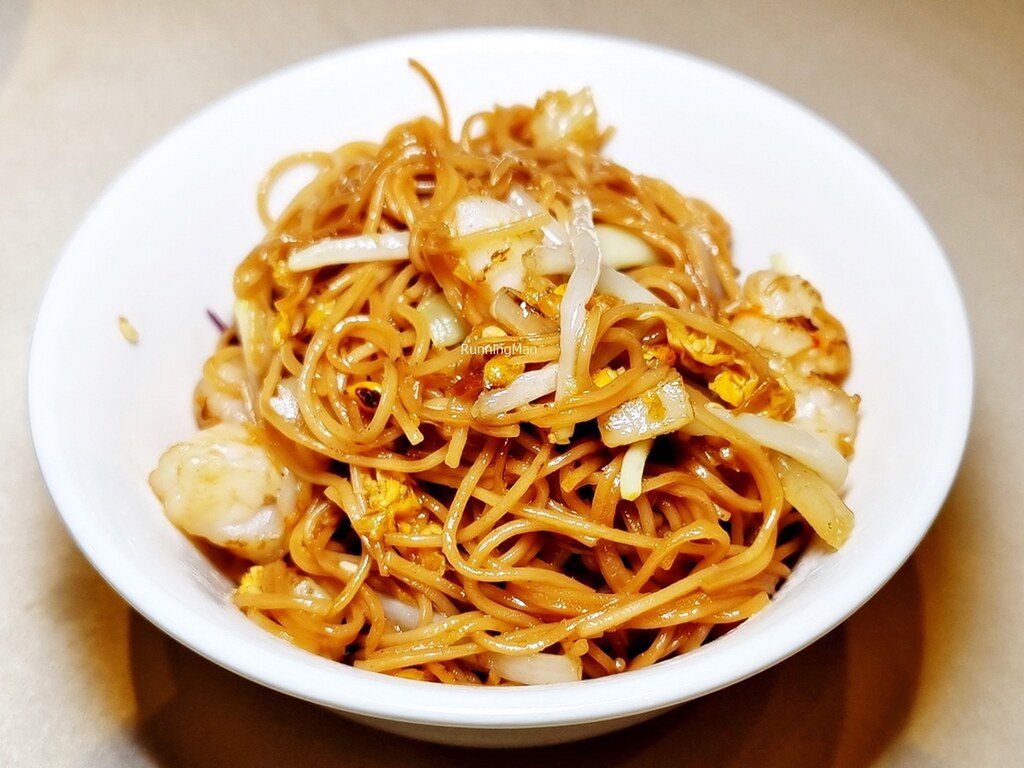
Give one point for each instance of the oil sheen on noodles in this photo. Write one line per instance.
(494, 409)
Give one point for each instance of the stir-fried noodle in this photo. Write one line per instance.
(497, 409)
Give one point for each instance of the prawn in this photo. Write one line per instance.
(221, 485)
(785, 317)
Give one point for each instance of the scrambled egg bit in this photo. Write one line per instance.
(393, 507)
(500, 371)
(252, 582)
(606, 376)
(698, 346)
(321, 310)
(734, 388)
(660, 353)
(387, 498)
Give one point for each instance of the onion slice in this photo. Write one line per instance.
(662, 409)
(446, 327)
(536, 669)
(518, 316)
(815, 500)
(579, 289)
(554, 233)
(622, 286)
(383, 246)
(621, 249)
(525, 389)
(786, 438)
(549, 259)
(400, 613)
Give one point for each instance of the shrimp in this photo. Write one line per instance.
(223, 392)
(785, 317)
(785, 314)
(822, 408)
(221, 485)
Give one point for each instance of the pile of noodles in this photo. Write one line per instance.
(464, 514)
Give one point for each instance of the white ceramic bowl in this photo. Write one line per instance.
(160, 246)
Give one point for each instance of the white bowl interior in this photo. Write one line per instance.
(160, 247)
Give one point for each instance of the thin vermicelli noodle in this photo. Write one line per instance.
(495, 409)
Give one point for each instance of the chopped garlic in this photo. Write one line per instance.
(131, 335)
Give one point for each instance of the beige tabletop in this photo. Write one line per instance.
(929, 673)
